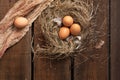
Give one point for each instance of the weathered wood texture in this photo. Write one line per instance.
(16, 63)
(46, 69)
(93, 65)
(115, 38)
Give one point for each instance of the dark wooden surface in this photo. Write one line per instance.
(115, 37)
(16, 63)
(93, 65)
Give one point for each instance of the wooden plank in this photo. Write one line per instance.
(115, 44)
(93, 65)
(46, 69)
(16, 63)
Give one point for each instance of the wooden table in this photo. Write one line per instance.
(18, 64)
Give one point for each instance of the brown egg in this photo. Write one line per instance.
(20, 22)
(64, 32)
(67, 21)
(75, 29)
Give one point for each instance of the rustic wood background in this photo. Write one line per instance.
(18, 64)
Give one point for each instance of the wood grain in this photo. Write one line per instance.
(16, 63)
(93, 65)
(46, 69)
(115, 38)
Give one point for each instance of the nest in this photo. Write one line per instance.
(84, 13)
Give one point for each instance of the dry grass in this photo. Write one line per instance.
(83, 12)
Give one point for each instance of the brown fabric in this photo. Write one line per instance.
(31, 9)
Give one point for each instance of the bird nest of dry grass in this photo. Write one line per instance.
(84, 13)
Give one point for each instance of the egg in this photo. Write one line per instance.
(20, 22)
(75, 29)
(67, 21)
(64, 32)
